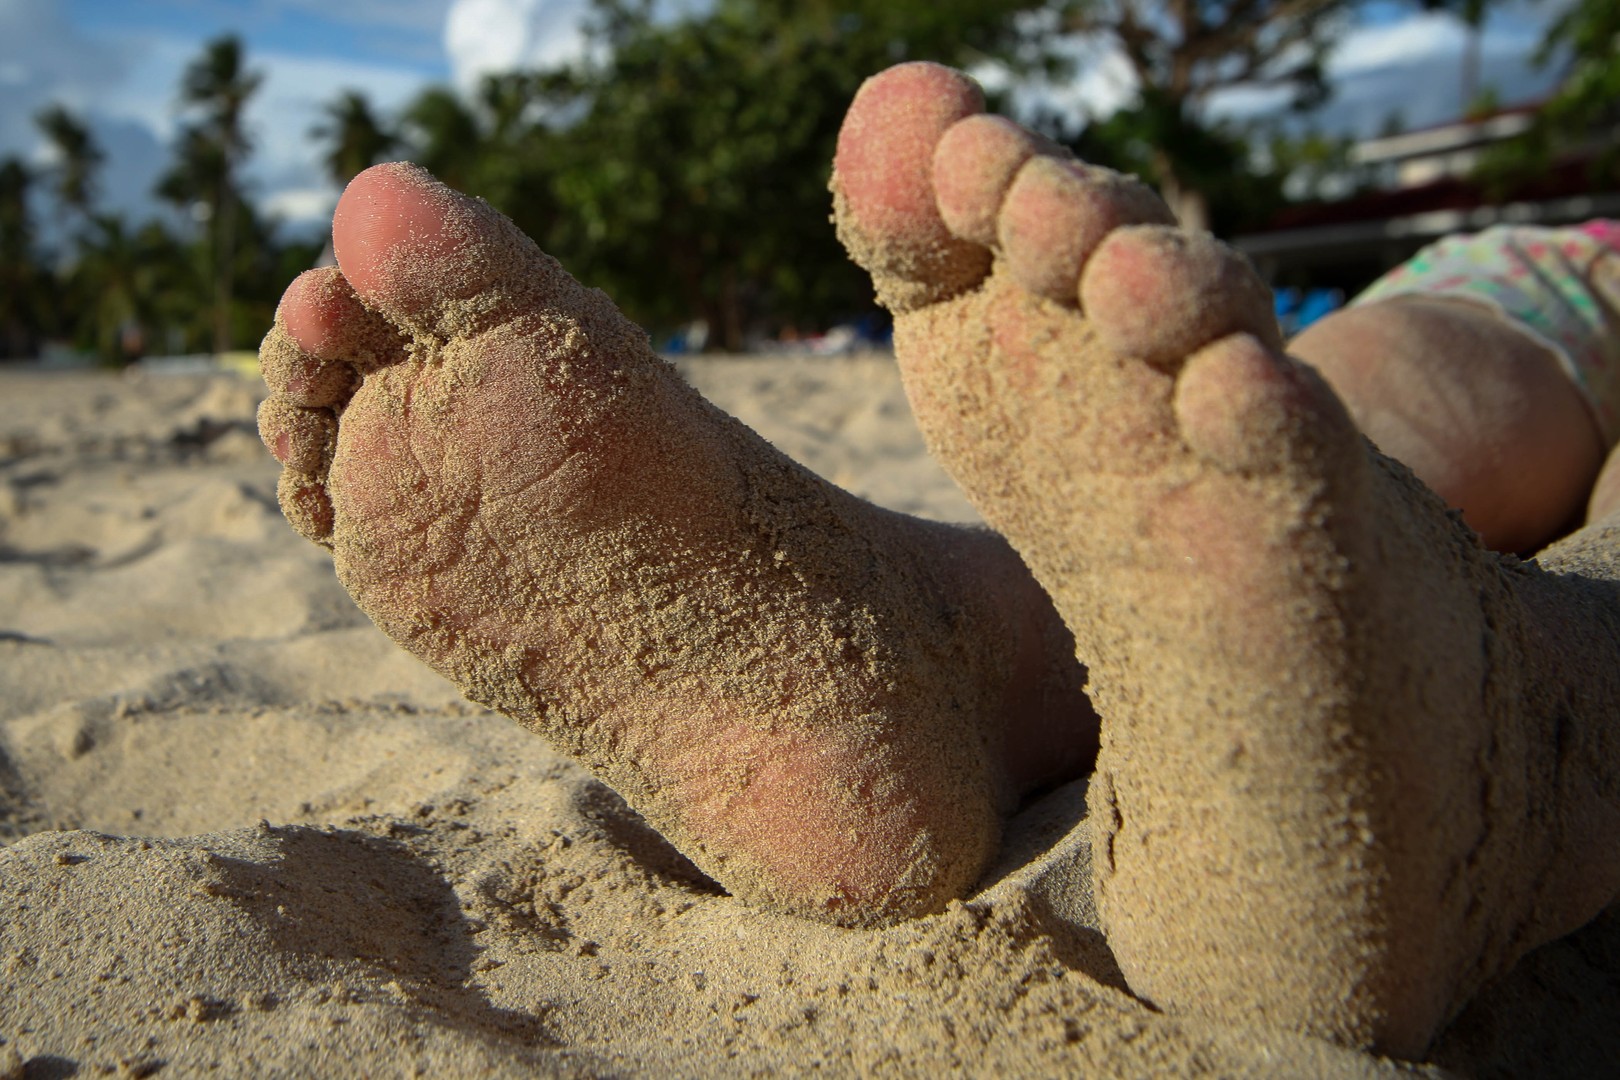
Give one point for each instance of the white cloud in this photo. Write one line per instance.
(43, 58)
(1103, 82)
(302, 205)
(486, 37)
(294, 96)
(128, 92)
(286, 165)
(1413, 70)
(1416, 38)
(417, 15)
(1411, 66)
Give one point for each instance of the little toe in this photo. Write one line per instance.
(1055, 215)
(306, 505)
(303, 439)
(1245, 408)
(1160, 294)
(883, 191)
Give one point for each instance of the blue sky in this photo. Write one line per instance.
(384, 33)
(118, 62)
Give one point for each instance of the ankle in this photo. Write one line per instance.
(1051, 732)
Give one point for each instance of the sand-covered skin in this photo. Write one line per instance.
(437, 892)
(1353, 764)
(805, 693)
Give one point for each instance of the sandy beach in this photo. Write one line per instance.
(242, 832)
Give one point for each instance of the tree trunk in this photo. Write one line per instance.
(1188, 204)
(224, 253)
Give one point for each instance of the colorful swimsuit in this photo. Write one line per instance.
(1561, 286)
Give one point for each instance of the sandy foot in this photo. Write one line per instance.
(826, 705)
(1353, 764)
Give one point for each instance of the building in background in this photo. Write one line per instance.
(1422, 187)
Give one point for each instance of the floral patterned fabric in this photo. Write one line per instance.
(1561, 286)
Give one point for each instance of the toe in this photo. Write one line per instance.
(329, 322)
(302, 379)
(1056, 214)
(306, 505)
(883, 184)
(1160, 294)
(323, 340)
(974, 165)
(303, 440)
(299, 438)
(1243, 407)
(435, 261)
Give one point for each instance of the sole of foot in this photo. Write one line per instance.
(824, 704)
(1352, 763)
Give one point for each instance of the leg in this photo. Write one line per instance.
(1353, 764)
(824, 704)
(1606, 492)
(1480, 411)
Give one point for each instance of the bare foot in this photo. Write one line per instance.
(1353, 764)
(824, 704)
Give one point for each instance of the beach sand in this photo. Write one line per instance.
(244, 832)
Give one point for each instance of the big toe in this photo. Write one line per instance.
(883, 187)
(927, 188)
(432, 260)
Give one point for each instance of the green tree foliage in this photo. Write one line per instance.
(1583, 114)
(689, 162)
(22, 285)
(78, 158)
(214, 91)
(1183, 52)
(114, 287)
(355, 138)
(120, 280)
(683, 166)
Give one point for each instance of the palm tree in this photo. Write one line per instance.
(355, 138)
(445, 136)
(78, 158)
(21, 298)
(106, 284)
(217, 86)
(193, 183)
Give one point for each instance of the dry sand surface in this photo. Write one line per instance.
(240, 831)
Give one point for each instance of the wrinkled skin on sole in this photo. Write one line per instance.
(826, 705)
